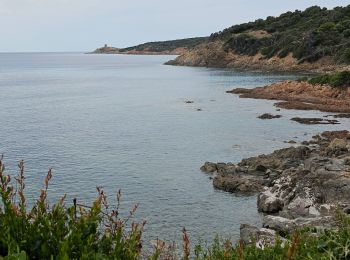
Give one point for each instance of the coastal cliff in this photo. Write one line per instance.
(213, 54)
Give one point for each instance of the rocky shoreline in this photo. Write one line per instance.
(213, 54)
(296, 187)
(301, 95)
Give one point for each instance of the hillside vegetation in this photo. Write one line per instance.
(309, 35)
(316, 39)
(158, 47)
(162, 46)
(287, 42)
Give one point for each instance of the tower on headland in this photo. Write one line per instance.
(106, 45)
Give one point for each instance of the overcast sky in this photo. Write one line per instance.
(83, 25)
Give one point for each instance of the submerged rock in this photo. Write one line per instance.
(345, 115)
(315, 121)
(290, 142)
(269, 116)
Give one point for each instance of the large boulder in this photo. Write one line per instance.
(269, 203)
(209, 167)
(287, 226)
(239, 183)
(262, 237)
(338, 144)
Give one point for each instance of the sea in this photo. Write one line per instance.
(130, 123)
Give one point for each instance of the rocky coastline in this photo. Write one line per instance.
(296, 187)
(213, 54)
(301, 95)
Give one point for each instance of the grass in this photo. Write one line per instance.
(99, 232)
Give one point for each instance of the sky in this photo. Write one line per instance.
(84, 25)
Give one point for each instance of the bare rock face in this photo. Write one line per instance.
(315, 189)
(215, 54)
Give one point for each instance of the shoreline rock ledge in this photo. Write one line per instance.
(296, 187)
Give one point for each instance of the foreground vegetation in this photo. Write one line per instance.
(99, 232)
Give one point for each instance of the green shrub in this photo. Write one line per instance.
(244, 44)
(98, 232)
(60, 231)
(346, 55)
(283, 53)
(339, 79)
(266, 50)
(326, 27)
(346, 33)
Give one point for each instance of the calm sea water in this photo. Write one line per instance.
(121, 122)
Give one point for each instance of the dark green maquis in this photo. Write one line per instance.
(307, 35)
(339, 79)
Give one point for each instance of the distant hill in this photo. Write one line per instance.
(161, 47)
(313, 39)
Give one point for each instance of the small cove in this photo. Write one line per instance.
(122, 122)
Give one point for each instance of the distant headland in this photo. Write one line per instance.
(174, 47)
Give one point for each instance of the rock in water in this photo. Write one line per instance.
(315, 121)
(209, 167)
(269, 116)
